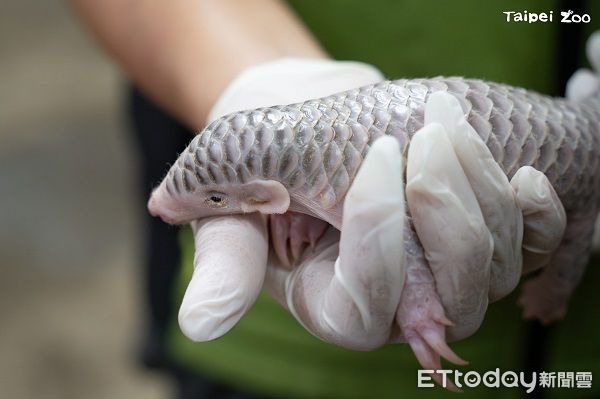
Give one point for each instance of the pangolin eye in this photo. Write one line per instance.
(216, 200)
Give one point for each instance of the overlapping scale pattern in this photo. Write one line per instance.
(315, 148)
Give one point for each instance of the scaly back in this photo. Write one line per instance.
(315, 148)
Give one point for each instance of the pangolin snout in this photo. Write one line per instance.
(162, 204)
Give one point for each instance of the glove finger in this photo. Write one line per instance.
(229, 269)
(581, 85)
(544, 217)
(592, 50)
(451, 228)
(370, 269)
(492, 189)
(351, 299)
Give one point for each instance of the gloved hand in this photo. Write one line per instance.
(455, 186)
(229, 272)
(460, 199)
(342, 301)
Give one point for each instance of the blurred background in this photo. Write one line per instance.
(71, 310)
(70, 301)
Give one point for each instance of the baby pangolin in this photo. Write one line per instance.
(298, 161)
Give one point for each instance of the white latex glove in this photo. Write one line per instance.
(461, 201)
(231, 252)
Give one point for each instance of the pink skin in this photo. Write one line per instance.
(292, 233)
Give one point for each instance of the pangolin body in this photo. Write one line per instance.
(315, 148)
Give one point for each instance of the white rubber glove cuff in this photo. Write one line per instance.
(291, 80)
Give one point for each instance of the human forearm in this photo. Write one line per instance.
(184, 53)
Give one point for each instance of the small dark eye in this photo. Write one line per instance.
(216, 200)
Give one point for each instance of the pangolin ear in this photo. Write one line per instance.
(264, 196)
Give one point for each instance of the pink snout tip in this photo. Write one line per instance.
(162, 205)
(153, 208)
